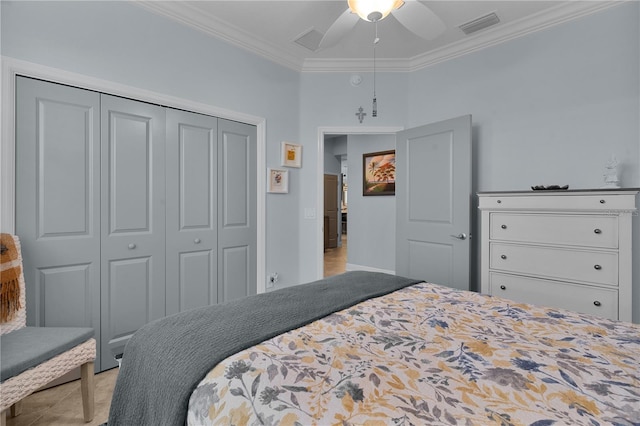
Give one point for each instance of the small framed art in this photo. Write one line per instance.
(277, 181)
(379, 173)
(291, 154)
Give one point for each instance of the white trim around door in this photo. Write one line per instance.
(12, 67)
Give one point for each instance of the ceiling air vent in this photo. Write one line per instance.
(480, 23)
(310, 39)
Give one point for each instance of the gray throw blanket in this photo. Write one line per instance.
(166, 359)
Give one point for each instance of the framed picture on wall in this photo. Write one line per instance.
(277, 181)
(379, 173)
(291, 154)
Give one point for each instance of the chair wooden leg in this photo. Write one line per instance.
(87, 388)
(16, 409)
(3, 418)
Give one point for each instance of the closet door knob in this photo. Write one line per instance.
(503, 226)
(597, 231)
(503, 287)
(197, 241)
(597, 267)
(597, 303)
(503, 256)
(132, 246)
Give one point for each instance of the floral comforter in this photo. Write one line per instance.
(428, 354)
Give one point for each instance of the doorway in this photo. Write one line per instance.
(372, 221)
(333, 160)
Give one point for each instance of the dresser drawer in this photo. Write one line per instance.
(558, 201)
(598, 267)
(575, 230)
(555, 294)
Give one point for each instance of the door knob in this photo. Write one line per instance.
(461, 236)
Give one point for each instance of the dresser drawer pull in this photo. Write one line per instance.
(597, 267)
(131, 246)
(597, 231)
(597, 303)
(503, 226)
(602, 201)
(503, 287)
(503, 256)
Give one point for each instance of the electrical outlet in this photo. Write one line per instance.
(272, 279)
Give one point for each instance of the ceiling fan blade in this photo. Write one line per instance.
(419, 19)
(339, 29)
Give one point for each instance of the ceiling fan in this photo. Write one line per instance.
(412, 14)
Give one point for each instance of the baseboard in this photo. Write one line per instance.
(353, 267)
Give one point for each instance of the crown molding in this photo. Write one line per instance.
(556, 15)
(184, 13)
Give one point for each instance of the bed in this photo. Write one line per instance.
(367, 348)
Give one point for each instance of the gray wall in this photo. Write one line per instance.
(549, 107)
(372, 219)
(333, 149)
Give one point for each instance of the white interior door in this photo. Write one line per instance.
(433, 196)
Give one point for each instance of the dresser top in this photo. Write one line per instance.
(603, 191)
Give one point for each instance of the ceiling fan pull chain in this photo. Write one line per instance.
(374, 112)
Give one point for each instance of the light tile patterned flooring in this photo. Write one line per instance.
(62, 405)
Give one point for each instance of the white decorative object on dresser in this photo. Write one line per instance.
(564, 249)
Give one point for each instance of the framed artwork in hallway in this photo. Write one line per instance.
(379, 173)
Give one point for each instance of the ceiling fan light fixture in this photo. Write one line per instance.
(373, 10)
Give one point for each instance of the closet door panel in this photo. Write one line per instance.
(58, 202)
(237, 158)
(191, 210)
(133, 222)
(66, 286)
(197, 284)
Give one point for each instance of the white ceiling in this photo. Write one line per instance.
(270, 28)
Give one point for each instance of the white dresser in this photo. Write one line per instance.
(563, 249)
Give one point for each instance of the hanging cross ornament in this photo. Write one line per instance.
(360, 114)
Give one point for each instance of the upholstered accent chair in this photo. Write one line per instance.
(31, 357)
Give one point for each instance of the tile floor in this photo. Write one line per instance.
(62, 405)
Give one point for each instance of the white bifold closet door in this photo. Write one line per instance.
(58, 203)
(133, 220)
(192, 215)
(237, 210)
(129, 211)
(211, 210)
